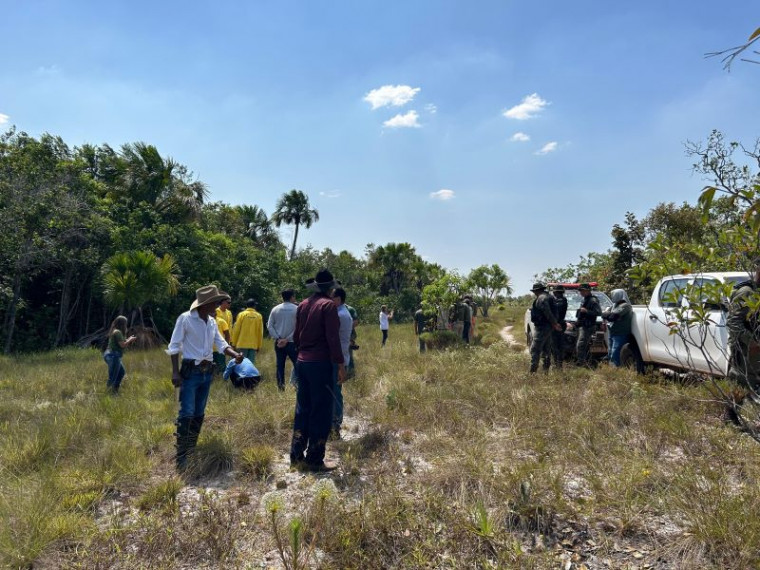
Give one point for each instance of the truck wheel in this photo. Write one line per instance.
(631, 358)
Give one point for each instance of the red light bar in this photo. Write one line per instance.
(591, 284)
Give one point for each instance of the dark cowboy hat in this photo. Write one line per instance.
(538, 287)
(323, 281)
(207, 294)
(559, 288)
(584, 286)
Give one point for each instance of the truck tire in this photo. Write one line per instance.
(630, 357)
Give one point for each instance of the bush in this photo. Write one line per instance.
(441, 339)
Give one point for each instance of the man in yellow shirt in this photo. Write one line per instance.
(223, 311)
(220, 362)
(248, 332)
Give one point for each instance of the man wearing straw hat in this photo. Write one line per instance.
(317, 337)
(195, 334)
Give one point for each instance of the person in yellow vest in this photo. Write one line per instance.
(224, 326)
(248, 332)
(223, 311)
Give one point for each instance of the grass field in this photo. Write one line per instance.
(455, 459)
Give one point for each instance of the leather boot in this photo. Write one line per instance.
(195, 430)
(183, 443)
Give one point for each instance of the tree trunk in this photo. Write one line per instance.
(10, 317)
(293, 249)
(63, 310)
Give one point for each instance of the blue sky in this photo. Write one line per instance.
(261, 97)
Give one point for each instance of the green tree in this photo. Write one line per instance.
(488, 282)
(395, 263)
(133, 279)
(440, 295)
(293, 208)
(46, 205)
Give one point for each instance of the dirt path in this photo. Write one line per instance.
(509, 338)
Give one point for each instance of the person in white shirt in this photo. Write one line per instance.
(385, 316)
(344, 332)
(194, 336)
(281, 325)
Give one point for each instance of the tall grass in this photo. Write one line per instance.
(463, 460)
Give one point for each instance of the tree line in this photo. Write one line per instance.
(91, 231)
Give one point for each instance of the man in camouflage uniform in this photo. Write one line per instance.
(744, 333)
(558, 337)
(586, 323)
(544, 320)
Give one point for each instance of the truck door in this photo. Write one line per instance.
(708, 342)
(666, 348)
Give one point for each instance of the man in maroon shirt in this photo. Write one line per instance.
(318, 342)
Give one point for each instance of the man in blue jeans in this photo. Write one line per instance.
(195, 334)
(281, 325)
(318, 341)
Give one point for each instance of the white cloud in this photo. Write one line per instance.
(430, 108)
(3, 119)
(442, 195)
(333, 194)
(520, 137)
(547, 148)
(391, 95)
(531, 106)
(403, 121)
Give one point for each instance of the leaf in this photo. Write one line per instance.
(755, 35)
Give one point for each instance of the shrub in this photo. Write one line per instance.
(257, 460)
(441, 339)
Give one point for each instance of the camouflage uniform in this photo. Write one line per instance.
(743, 337)
(543, 318)
(558, 337)
(586, 323)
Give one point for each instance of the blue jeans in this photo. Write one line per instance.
(193, 395)
(116, 370)
(314, 412)
(337, 400)
(616, 343)
(282, 354)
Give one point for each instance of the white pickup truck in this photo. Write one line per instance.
(700, 346)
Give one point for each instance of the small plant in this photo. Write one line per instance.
(163, 495)
(257, 460)
(297, 553)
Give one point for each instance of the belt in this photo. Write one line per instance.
(203, 367)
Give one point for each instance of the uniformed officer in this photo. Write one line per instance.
(744, 333)
(544, 320)
(586, 317)
(558, 337)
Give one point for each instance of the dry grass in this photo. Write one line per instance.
(461, 460)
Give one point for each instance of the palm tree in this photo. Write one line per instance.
(258, 227)
(395, 261)
(164, 183)
(293, 209)
(132, 279)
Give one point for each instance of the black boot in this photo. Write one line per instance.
(183, 444)
(195, 430)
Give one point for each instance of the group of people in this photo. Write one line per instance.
(548, 314)
(316, 335)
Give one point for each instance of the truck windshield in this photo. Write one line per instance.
(574, 300)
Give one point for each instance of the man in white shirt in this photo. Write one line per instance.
(344, 332)
(195, 334)
(281, 325)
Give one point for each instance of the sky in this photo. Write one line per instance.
(483, 132)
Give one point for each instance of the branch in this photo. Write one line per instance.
(729, 55)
